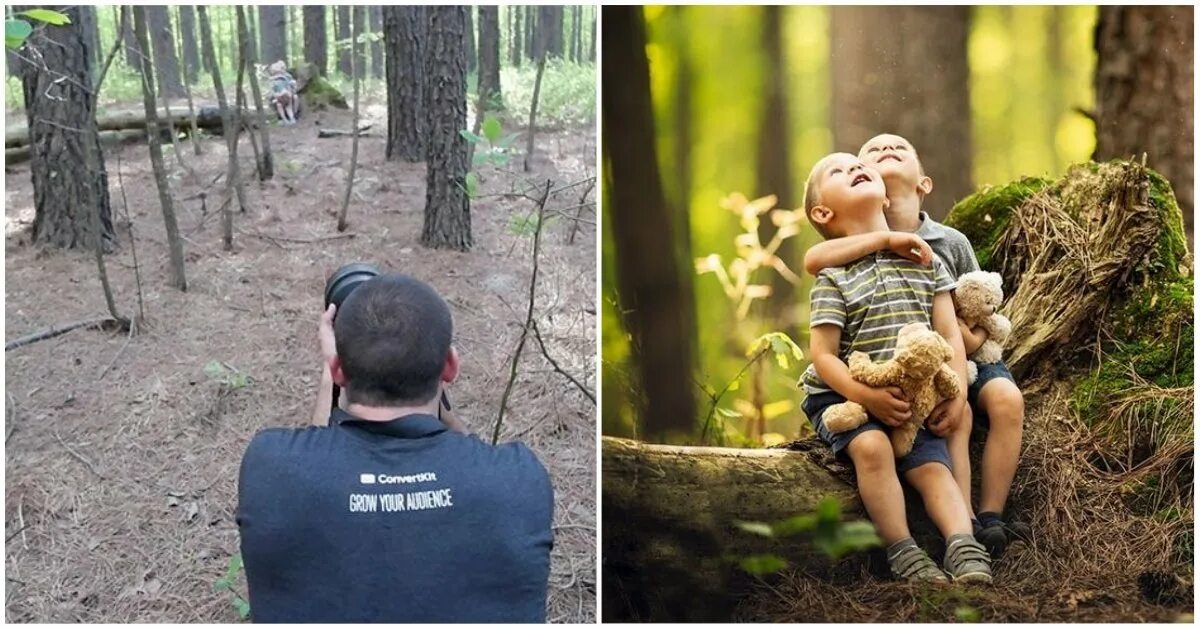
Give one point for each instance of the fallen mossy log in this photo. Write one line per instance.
(17, 155)
(1098, 286)
(207, 118)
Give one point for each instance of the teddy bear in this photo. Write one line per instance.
(976, 301)
(919, 367)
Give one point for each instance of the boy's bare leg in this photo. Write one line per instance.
(879, 485)
(942, 496)
(1005, 408)
(958, 442)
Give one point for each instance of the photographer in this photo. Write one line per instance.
(386, 514)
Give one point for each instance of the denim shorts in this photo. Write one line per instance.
(927, 447)
(987, 372)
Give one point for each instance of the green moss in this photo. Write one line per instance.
(319, 92)
(983, 216)
(1172, 241)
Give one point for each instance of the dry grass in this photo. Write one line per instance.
(121, 481)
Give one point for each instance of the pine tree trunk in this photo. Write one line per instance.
(650, 291)
(592, 54)
(516, 38)
(405, 32)
(774, 163)
(1145, 95)
(191, 52)
(266, 164)
(342, 22)
(233, 183)
(682, 155)
(550, 27)
(489, 57)
(272, 33)
(174, 243)
(376, 14)
(531, 52)
(132, 58)
(447, 206)
(162, 42)
(62, 132)
(359, 65)
(933, 113)
(341, 224)
(472, 56)
(315, 46)
(90, 23)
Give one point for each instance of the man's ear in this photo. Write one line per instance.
(924, 185)
(450, 368)
(822, 215)
(335, 370)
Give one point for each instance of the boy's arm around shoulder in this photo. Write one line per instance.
(842, 251)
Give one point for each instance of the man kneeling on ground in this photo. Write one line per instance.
(387, 514)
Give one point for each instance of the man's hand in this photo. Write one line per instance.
(887, 404)
(911, 246)
(946, 417)
(325, 335)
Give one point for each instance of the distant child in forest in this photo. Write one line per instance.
(994, 397)
(283, 92)
(860, 306)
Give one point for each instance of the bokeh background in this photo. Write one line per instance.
(746, 99)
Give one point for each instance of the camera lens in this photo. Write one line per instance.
(343, 281)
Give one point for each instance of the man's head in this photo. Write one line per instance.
(897, 161)
(393, 343)
(843, 195)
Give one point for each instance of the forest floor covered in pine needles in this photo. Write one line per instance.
(122, 452)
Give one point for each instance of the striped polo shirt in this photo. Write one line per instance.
(871, 300)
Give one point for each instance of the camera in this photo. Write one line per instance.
(339, 286)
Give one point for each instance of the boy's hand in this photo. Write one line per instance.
(946, 416)
(887, 404)
(912, 247)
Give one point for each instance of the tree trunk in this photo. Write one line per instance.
(1144, 92)
(531, 127)
(592, 54)
(682, 154)
(550, 30)
(933, 113)
(208, 118)
(472, 56)
(447, 205)
(489, 57)
(515, 37)
(405, 31)
(531, 38)
(90, 23)
(651, 295)
(376, 14)
(162, 42)
(315, 46)
(774, 165)
(266, 164)
(174, 243)
(272, 33)
(343, 34)
(359, 25)
(341, 224)
(132, 59)
(62, 122)
(191, 52)
(233, 183)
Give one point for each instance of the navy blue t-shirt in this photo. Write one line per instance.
(400, 521)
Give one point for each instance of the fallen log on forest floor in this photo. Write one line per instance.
(17, 155)
(62, 329)
(207, 118)
(1098, 286)
(339, 133)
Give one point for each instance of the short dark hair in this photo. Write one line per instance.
(393, 336)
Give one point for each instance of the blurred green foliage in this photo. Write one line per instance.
(1031, 73)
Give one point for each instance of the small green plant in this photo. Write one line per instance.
(228, 376)
(527, 224)
(825, 528)
(491, 149)
(226, 584)
(17, 30)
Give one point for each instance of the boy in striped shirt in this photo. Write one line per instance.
(861, 307)
(994, 397)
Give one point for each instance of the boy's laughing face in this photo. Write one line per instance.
(896, 160)
(848, 192)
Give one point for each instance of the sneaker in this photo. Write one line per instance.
(967, 560)
(910, 562)
(992, 536)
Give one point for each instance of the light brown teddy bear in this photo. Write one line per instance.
(918, 367)
(977, 302)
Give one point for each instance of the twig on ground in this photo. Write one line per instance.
(289, 239)
(55, 331)
(537, 334)
(582, 204)
(12, 418)
(77, 456)
(119, 352)
(12, 536)
(512, 376)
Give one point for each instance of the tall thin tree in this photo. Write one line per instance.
(342, 30)
(354, 60)
(272, 33)
(163, 44)
(233, 183)
(489, 57)
(375, 12)
(266, 164)
(447, 205)
(405, 29)
(174, 242)
(316, 49)
(186, 26)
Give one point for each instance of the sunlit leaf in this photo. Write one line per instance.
(214, 369)
(222, 584)
(967, 614)
(46, 15)
(243, 607)
(728, 413)
(15, 32)
(795, 525)
(763, 564)
(829, 510)
(491, 129)
(754, 527)
(472, 181)
(775, 409)
(472, 138)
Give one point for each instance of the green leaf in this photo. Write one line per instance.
(729, 413)
(235, 563)
(795, 525)
(15, 32)
(46, 15)
(829, 510)
(222, 584)
(472, 184)
(754, 527)
(480, 158)
(762, 565)
(472, 138)
(243, 607)
(507, 141)
(967, 614)
(491, 129)
(214, 369)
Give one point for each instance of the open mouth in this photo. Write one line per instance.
(860, 178)
(888, 156)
